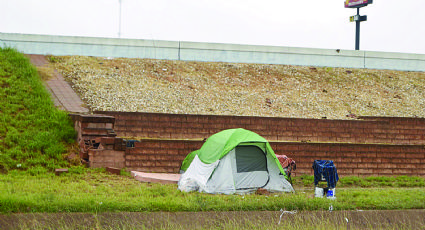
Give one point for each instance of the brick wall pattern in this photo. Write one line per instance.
(361, 147)
(166, 156)
(389, 130)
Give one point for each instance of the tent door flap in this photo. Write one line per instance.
(251, 167)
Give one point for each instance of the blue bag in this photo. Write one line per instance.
(325, 169)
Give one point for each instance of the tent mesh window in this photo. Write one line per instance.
(250, 158)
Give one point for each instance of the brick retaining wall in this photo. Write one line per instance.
(159, 155)
(166, 156)
(183, 126)
(381, 145)
(357, 159)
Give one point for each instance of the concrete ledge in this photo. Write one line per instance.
(211, 52)
(86, 40)
(268, 49)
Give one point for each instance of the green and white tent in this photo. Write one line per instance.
(233, 161)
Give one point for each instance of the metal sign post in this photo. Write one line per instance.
(357, 18)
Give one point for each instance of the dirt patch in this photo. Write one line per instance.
(404, 219)
(4, 85)
(45, 73)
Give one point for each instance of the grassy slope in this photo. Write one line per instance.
(34, 135)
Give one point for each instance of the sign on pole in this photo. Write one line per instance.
(357, 3)
(357, 18)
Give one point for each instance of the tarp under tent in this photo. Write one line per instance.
(233, 161)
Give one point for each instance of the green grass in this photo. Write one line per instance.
(34, 135)
(367, 182)
(218, 220)
(94, 191)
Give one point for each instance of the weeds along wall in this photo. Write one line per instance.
(210, 52)
(160, 142)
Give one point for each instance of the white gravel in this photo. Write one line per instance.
(163, 86)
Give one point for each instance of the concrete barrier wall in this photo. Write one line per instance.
(271, 55)
(211, 52)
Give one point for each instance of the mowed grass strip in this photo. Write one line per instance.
(399, 219)
(95, 191)
(366, 182)
(34, 134)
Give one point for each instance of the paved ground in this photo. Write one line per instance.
(62, 93)
(163, 178)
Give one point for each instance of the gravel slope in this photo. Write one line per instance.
(164, 86)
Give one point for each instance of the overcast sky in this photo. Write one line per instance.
(392, 26)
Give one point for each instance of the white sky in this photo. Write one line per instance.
(392, 26)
